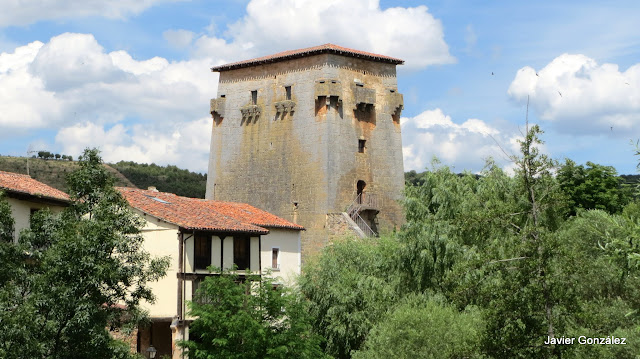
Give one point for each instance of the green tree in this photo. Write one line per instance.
(249, 318)
(593, 187)
(350, 286)
(425, 327)
(77, 274)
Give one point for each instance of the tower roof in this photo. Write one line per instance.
(309, 51)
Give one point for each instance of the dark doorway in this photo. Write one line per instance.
(241, 256)
(360, 190)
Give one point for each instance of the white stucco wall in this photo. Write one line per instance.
(161, 239)
(288, 242)
(21, 212)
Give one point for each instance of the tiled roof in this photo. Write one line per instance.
(23, 184)
(322, 49)
(193, 213)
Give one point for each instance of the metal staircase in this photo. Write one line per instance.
(364, 202)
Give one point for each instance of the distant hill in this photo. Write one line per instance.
(127, 174)
(165, 178)
(52, 172)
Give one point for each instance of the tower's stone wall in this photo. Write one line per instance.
(300, 158)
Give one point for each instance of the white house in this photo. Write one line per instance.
(199, 233)
(26, 196)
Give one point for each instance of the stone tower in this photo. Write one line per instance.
(313, 136)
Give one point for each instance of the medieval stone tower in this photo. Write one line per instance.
(311, 135)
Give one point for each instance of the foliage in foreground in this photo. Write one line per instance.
(73, 276)
(349, 287)
(507, 246)
(249, 318)
(424, 327)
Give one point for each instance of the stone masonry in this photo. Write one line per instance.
(294, 133)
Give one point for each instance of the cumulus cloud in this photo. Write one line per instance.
(581, 96)
(412, 34)
(185, 143)
(30, 11)
(71, 83)
(464, 146)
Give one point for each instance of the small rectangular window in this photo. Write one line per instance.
(254, 97)
(32, 212)
(361, 144)
(287, 90)
(360, 84)
(275, 258)
(202, 251)
(223, 96)
(241, 252)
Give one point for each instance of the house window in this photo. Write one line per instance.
(241, 252)
(361, 144)
(202, 251)
(287, 90)
(254, 97)
(31, 214)
(275, 258)
(195, 285)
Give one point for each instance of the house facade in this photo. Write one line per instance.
(26, 196)
(309, 135)
(197, 234)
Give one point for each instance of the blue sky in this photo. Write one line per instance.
(132, 77)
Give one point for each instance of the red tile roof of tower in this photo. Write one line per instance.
(322, 49)
(25, 185)
(194, 213)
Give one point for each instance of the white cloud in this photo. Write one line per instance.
(71, 83)
(581, 96)
(464, 146)
(186, 144)
(412, 34)
(24, 12)
(71, 78)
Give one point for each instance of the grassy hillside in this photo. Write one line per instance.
(164, 178)
(52, 172)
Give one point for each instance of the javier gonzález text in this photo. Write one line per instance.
(584, 340)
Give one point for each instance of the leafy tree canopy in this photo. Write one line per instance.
(592, 187)
(249, 318)
(73, 276)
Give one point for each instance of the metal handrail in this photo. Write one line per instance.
(353, 211)
(360, 222)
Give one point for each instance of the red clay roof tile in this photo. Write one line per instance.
(23, 184)
(193, 213)
(326, 48)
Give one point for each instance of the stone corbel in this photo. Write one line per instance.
(250, 111)
(395, 104)
(283, 107)
(364, 98)
(217, 106)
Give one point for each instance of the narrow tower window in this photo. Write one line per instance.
(254, 97)
(287, 89)
(361, 145)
